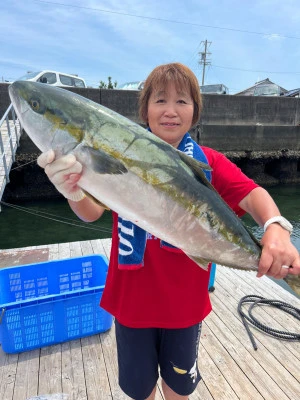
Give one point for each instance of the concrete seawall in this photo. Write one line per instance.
(260, 134)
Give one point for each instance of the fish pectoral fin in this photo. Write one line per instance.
(95, 200)
(103, 163)
(201, 262)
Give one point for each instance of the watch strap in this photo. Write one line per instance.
(283, 222)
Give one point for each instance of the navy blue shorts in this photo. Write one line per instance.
(144, 351)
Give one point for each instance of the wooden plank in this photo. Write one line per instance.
(86, 248)
(264, 372)
(273, 354)
(265, 285)
(158, 394)
(73, 375)
(213, 384)
(280, 365)
(217, 348)
(26, 383)
(50, 373)
(110, 354)
(75, 249)
(96, 377)
(8, 370)
(64, 250)
(53, 252)
(107, 247)
(97, 246)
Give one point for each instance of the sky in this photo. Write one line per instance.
(248, 41)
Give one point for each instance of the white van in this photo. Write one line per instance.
(214, 89)
(54, 78)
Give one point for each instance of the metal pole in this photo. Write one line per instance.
(204, 61)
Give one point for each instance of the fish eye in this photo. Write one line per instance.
(35, 104)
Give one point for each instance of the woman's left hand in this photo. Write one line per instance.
(279, 256)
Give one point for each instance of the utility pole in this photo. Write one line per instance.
(204, 58)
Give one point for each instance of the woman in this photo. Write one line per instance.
(159, 308)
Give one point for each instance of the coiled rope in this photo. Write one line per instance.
(250, 319)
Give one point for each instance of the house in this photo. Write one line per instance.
(263, 88)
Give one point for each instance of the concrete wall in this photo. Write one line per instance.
(228, 123)
(259, 138)
(250, 110)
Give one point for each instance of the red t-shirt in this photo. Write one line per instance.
(170, 291)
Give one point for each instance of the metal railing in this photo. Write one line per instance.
(10, 132)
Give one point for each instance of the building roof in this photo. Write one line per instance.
(250, 90)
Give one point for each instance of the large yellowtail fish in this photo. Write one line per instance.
(138, 175)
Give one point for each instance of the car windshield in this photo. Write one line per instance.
(266, 90)
(216, 89)
(30, 75)
(130, 86)
(210, 88)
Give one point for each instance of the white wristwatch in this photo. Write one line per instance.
(281, 221)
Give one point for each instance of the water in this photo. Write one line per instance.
(47, 222)
(287, 198)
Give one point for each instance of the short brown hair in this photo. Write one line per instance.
(183, 78)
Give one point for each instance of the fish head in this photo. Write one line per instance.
(46, 115)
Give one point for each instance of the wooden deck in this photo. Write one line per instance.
(86, 369)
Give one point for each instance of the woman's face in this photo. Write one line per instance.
(170, 114)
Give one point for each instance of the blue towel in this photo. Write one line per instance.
(132, 238)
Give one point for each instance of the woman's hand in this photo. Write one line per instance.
(64, 173)
(279, 256)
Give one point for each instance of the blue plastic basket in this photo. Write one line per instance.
(52, 302)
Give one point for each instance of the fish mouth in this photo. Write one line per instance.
(20, 105)
(14, 96)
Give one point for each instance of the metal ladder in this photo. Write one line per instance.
(10, 132)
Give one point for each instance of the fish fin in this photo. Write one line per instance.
(95, 200)
(202, 262)
(197, 167)
(103, 163)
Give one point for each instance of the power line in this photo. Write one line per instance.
(252, 70)
(56, 218)
(166, 20)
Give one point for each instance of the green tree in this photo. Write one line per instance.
(108, 85)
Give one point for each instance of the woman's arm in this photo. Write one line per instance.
(87, 209)
(277, 247)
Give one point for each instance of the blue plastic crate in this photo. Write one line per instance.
(52, 302)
